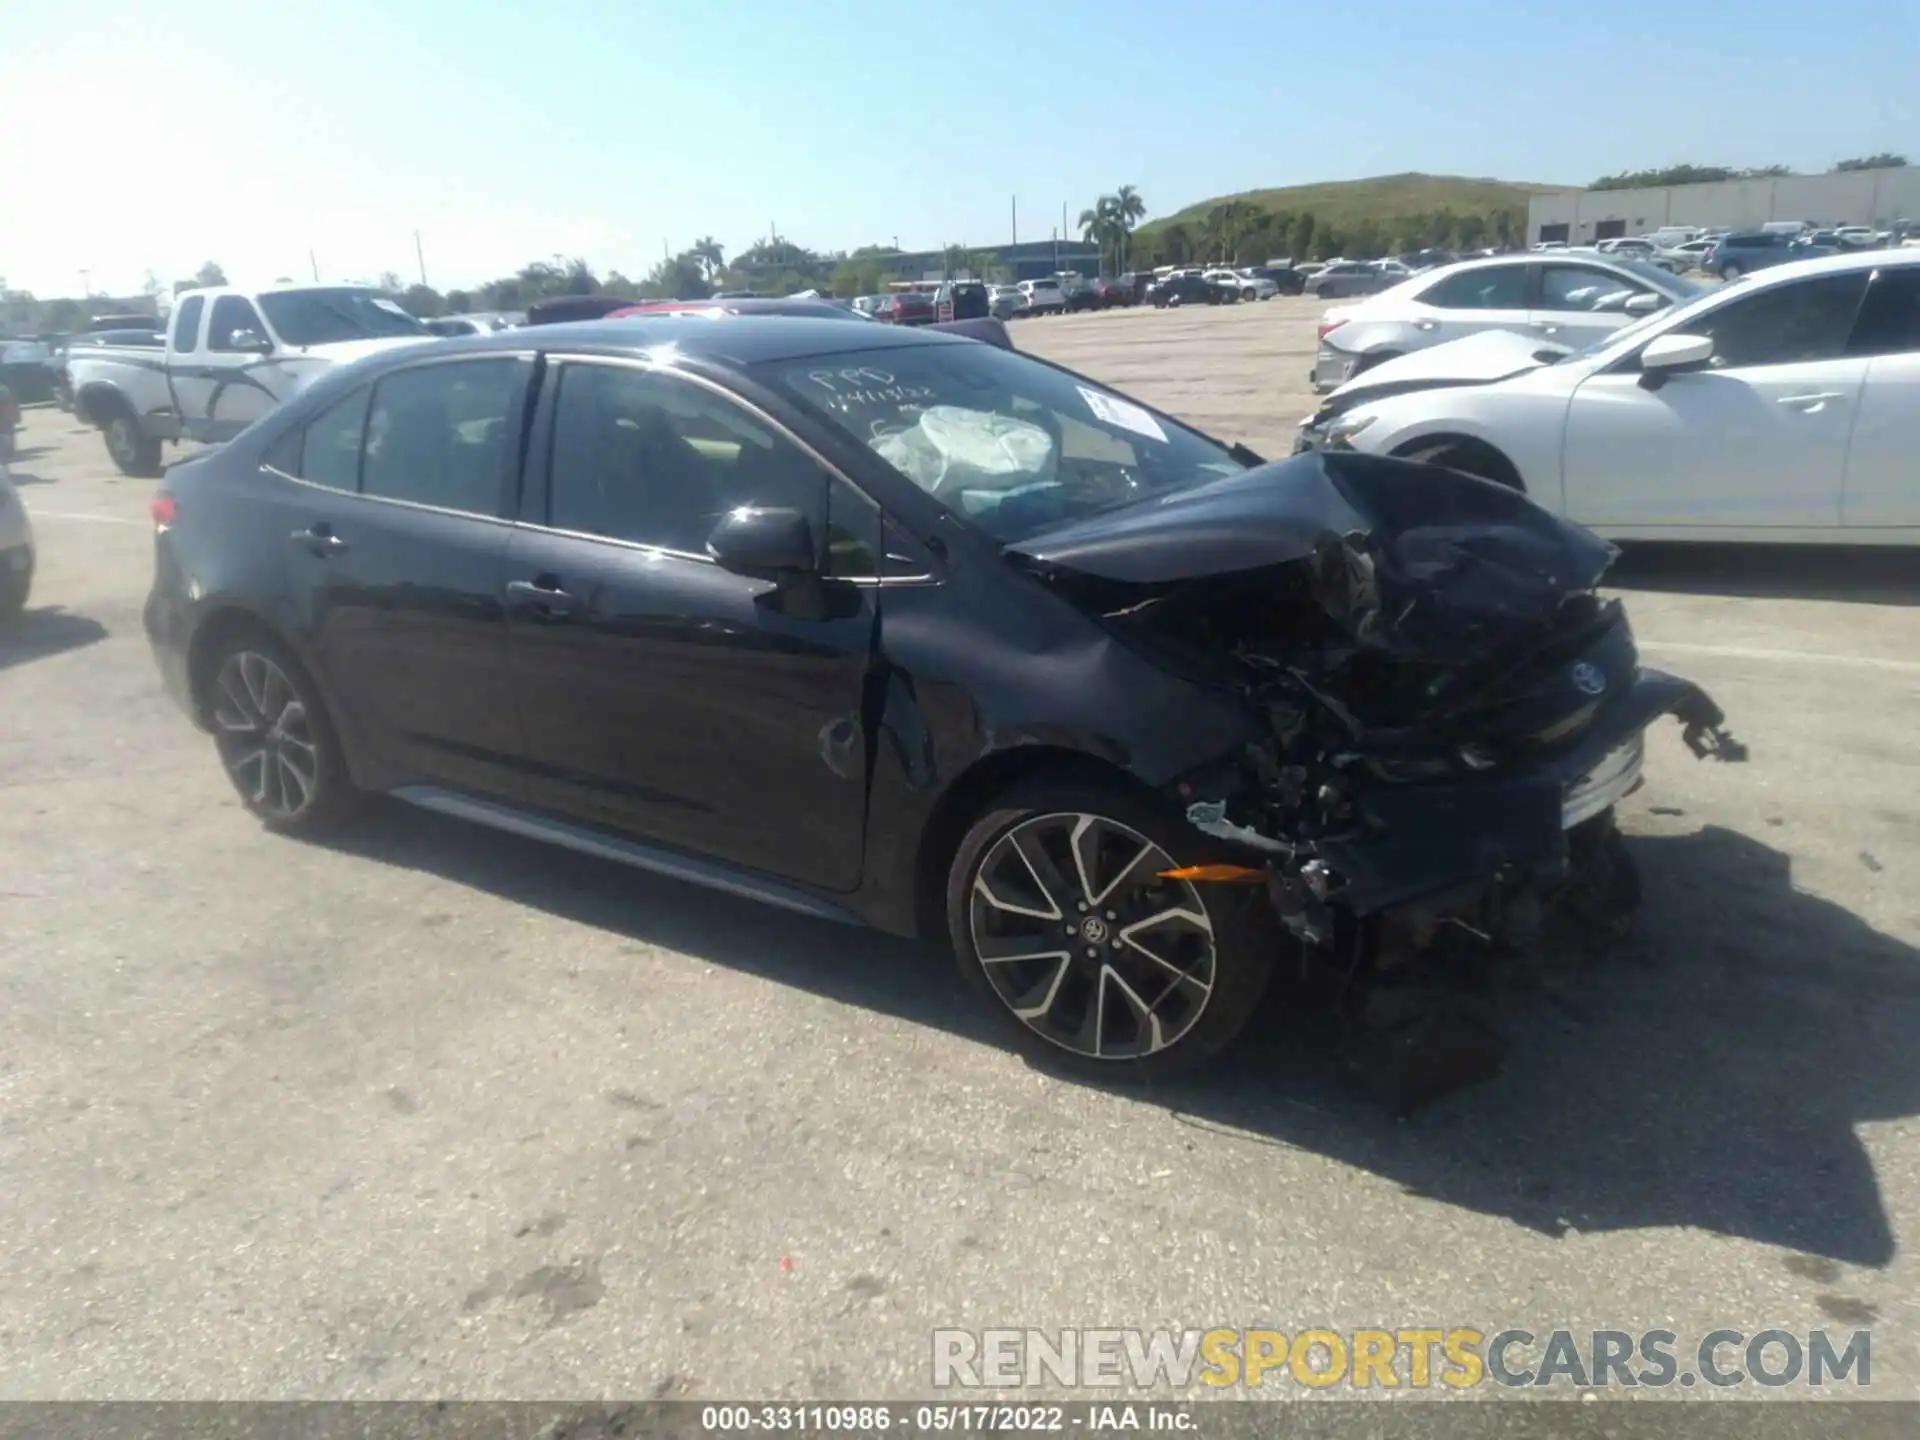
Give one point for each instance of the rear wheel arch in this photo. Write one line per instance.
(95, 403)
(220, 629)
(1463, 452)
(972, 794)
(212, 637)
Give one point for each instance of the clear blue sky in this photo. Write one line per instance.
(155, 134)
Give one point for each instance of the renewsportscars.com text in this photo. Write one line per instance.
(1457, 1359)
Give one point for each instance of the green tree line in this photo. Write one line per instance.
(1708, 174)
(1237, 233)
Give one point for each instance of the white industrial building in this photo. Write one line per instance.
(1853, 197)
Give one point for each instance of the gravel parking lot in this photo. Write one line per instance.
(431, 1111)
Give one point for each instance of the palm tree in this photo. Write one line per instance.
(1128, 210)
(709, 256)
(1097, 225)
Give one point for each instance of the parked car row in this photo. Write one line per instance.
(1781, 408)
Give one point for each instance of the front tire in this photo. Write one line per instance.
(133, 450)
(1060, 919)
(275, 739)
(1731, 272)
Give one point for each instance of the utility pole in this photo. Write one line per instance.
(1014, 203)
(420, 255)
(314, 263)
(86, 285)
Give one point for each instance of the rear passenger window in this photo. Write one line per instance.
(186, 324)
(326, 450)
(330, 445)
(438, 435)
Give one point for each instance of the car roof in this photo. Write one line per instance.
(740, 340)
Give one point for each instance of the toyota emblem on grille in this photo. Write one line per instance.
(1588, 679)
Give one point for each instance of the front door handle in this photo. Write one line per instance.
(1426, 324)
(319, 539)
(1808, 404)
(1547, 329)
(542, 597)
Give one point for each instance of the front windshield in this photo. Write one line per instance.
(1013, 445)
(321, 317)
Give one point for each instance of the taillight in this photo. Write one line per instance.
(1327, 327)
(162, 510)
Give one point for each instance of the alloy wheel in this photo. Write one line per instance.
(265, 735)
(1084, 941)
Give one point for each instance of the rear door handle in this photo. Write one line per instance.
(542, 597)
(1547, 329)
(319, 539)
(1810, 403)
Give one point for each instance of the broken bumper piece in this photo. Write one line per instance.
(1421, 839)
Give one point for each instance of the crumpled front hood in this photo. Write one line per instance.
(1476, 360)
(1411, 560)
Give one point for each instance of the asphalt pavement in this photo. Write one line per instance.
(431, 1111)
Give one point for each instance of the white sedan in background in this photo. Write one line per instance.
(1785, 408)
(1251, 287)
(1567, 297)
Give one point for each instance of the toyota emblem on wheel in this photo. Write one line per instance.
(1589, 679)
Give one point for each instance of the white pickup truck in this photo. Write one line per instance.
(230, 357)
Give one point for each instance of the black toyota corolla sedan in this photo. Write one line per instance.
(892, 626)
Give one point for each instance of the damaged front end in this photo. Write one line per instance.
(1449, 709)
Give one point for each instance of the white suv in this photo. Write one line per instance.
(1251, 287)
(1043, 297)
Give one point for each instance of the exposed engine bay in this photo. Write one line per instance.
(1449, 707)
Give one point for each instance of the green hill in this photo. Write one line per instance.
(1383, 198)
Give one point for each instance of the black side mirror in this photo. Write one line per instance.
(764, 541)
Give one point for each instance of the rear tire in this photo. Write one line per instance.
(274, 737)
(1731, 272)
(133, 450)
(1096, 966)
